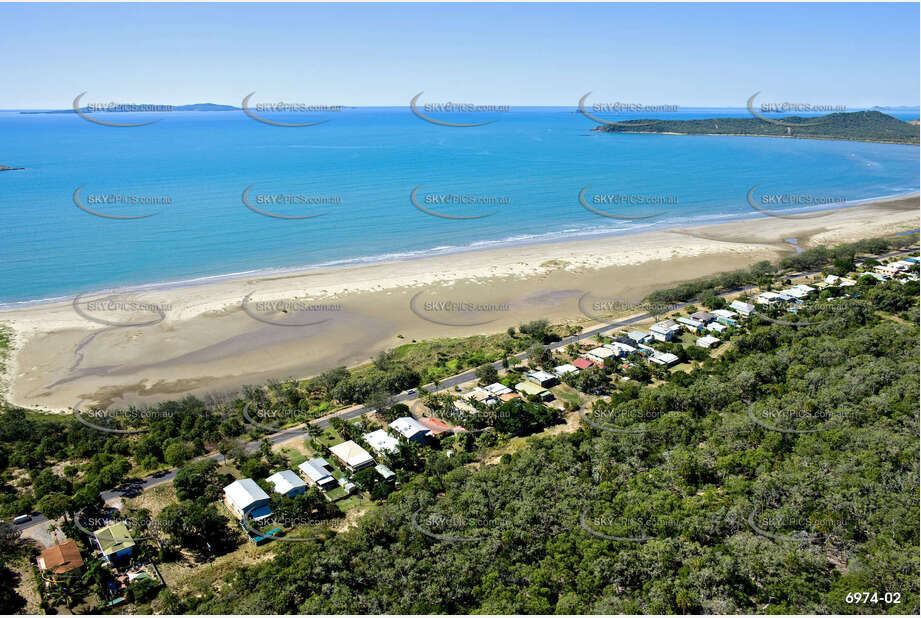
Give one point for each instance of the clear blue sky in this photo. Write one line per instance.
(516, 54)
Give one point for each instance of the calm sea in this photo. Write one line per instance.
(357, 171)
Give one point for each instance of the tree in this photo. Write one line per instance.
(487, 374)
(538, 355)
(55, 505)
(200, 481)
(197, 527)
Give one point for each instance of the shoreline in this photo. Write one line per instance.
(207, 343)
(391, 258)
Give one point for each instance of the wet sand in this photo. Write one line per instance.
(205, 342)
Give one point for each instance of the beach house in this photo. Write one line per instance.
(541, 378)
(690, 324)
(707, 341)
(562, 370)
(666, 330)
(319, 473)
(664, 358)
(246, 499)
(530, 389)
(724, 316)
(411, 429)
(287, 483)
(382, 442)
(744, 309)
(352, 456)
(114, 542)
(61, 558)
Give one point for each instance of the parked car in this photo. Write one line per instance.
(22, 519)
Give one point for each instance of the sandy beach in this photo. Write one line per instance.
(140, 348)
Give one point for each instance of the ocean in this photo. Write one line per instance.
(515, 181)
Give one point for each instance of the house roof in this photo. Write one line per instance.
(352, 454)
(314, 472)
(285, 481)
(742, 307)
(497, 388)
(564, 369)
(601, 352)
(384, 471)
(582, 363)
(61, 558)
(543, 376)
(707, 340)
(114, 538)
(530, 388)
(724, 313)
(703, 316)
(244, 493)
(637, 335)
(408, 426)
(381, 442)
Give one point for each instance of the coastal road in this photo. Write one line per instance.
(135, 488)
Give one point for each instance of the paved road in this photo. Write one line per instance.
(301, 431)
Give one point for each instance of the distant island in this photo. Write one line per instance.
(5, 168)
(863, 126)
(194, 107)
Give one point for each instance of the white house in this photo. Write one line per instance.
(840, 281)
(541, 378)
(599, 354)
(768, 298)
(352, 456)
(893, 268)
(744, 309)
(664, 358)
(410, 428)
(707, 341)
(724, 316)
(381, 442)
(562, 370)
(498, 389)
(245, 499)
(621, 349)
(639, 336)
(287, 483)
(716, 327)
(690, 324)
(664, 330)
(318, 472)
(703, 316)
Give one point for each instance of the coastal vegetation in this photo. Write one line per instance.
(865, 126)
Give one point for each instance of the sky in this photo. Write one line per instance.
(692, 55)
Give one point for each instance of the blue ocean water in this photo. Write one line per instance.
(532, 161)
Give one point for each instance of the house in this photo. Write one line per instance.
(707, 342)
(582, 363)
(767, 298)
(541, 378)
(563, 370)
(894, 268)
(411, 429)
(508, 397)
(703, 316)
(716, 327)
(878, 276)
(598, 355)
(664, 358)
(381, 442)
(620, 349)
(797, 291)
(529, 388)
(664, 330)
(840, 281)
(690, 324)
(724, 316)
(114, 542)
(463, 407)
(498, 389)
(319, 473)
(352, 456)
(639, 336)
(386, 473)
(483, 396)
(245, 499)
(744, 309)
(60, 559)
(287, 483)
